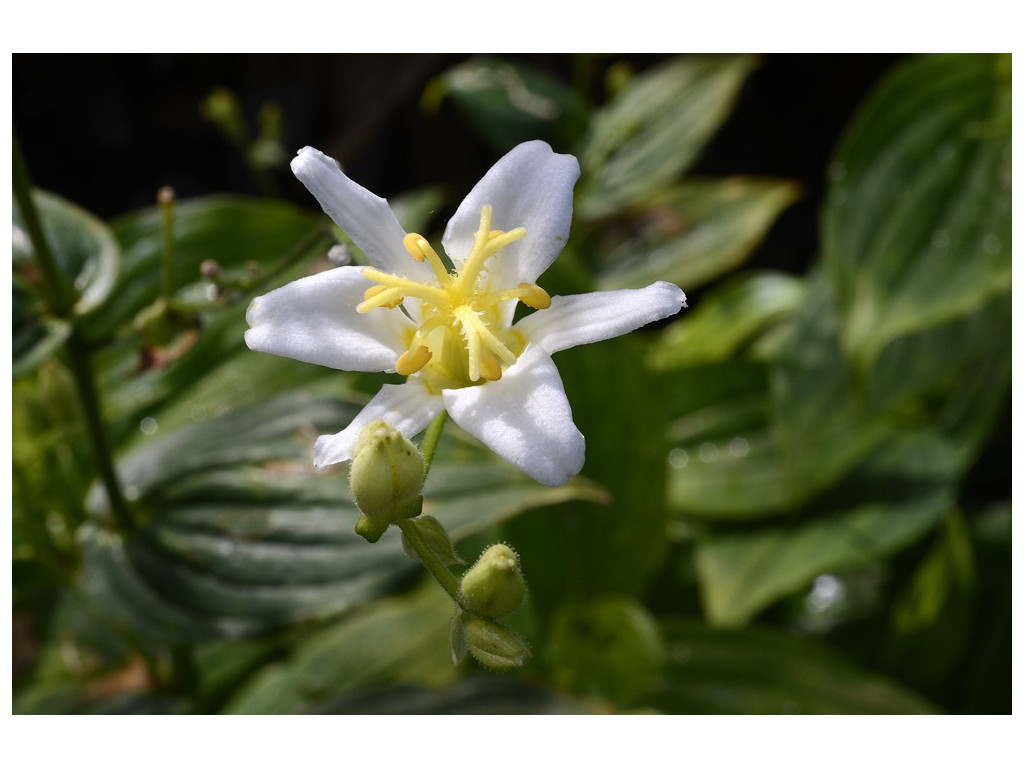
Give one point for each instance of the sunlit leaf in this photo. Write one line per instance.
(692, 233)
(727, 320)
(917, 222)
(655, 128)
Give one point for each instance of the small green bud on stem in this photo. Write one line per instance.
(494, 586)
(386, 478)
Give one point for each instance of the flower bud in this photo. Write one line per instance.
(494, 586)
(495, 646)
(386, 478)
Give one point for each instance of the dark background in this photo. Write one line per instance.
(106, 131)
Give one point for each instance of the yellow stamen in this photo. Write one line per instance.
(462, 338)
(420, 250)
(380, 296)
(412, 360)
(490, 369)
(486, 243)
(409, 287)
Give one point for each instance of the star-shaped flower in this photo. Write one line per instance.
(450, 331)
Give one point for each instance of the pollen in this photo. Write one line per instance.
(463, 336)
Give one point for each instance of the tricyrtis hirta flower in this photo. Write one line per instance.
(450, 330)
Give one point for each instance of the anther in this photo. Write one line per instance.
(380, 296)
(490, 369)
(534, 296)
(412, 360)
(412, 245)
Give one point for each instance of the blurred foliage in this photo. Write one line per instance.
(787, 505)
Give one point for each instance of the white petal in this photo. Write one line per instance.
(530, 187)
(589, 317)
(364, 217)
(314, 320)
(408, 407)
(524, 417)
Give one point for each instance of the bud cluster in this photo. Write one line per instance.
(492, 589)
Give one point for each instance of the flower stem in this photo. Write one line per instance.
(412, 535)
(431, 562)
(165, 199)
(430, 440)
(61, 301)
(56, 291)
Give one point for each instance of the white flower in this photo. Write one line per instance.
(451, 332)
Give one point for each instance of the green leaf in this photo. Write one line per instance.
(728, 319)
(242, 537)
(821, 422)
(509, 102)
(472, 696)
(396, 640)
(436, 539)
(581, 550)
(899, 494)
(610, 648)
(86, 252)
(655, 128)
(692, 233)
(723, 462)
(763, 671)
(917, 222)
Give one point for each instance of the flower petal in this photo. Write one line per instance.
(524, 417)
(408, 407)
(530, 187)
(314, 320)
(589, 317)
(364, 217)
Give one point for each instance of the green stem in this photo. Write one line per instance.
(56, 291)
(85, 383)
(165, 199)
(434, 566)
(61, 301)
(430, 561)
(430, 440)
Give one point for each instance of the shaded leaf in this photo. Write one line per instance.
(509, 102)
(899, 494)
(35, 335)
(763, 671)
(86, 252)
(472, 696)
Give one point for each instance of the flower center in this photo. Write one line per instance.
(463, 338)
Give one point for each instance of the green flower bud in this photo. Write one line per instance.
(494, 586)
(386, 478)
(495, 646)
